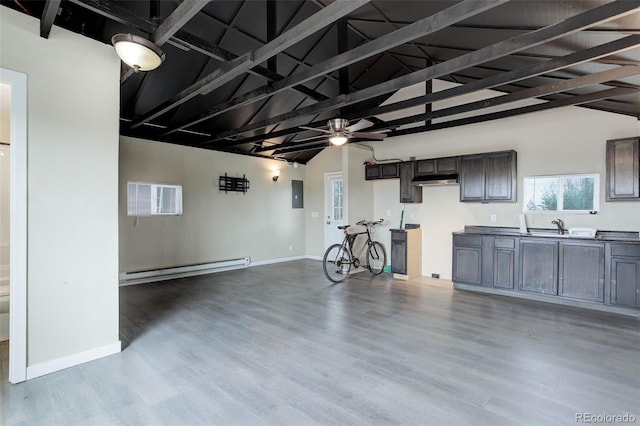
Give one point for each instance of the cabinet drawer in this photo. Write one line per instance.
(508, 243)
(630, 250)
(468, 240)
(398, 236)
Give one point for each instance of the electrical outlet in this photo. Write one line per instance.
(492, 218)
(290, 247)
(388, 213)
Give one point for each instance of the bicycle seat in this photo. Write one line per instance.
(343, 226)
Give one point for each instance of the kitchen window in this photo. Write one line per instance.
(153, 199)
(562, 193)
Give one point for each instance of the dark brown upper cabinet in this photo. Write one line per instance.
(623, 169)
(437, 166)
(488, 177)
(382, 171)
(409, 193)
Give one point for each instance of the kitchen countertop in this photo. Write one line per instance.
(611, 236)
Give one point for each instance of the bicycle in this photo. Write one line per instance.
(339, 258)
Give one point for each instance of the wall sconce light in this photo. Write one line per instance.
(137, 52)
(276, 175)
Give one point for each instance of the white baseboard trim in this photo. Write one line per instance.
(278, 260)
(181, 275)
(192, 273)
(52, 366)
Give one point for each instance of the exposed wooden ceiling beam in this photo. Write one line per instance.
(571, 25)
(429, 25)
(317, 146)
(497, 80)
(572, 100)
(48, 16)
(523, 28)
(242, 64)
(178, 18)
(182, 39)
(534, 92)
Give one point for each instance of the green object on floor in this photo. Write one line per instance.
(387, 268)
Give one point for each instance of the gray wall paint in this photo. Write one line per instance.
(73, 91)
(214, 226)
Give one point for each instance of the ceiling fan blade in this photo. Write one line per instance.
(311, 138)
(372, 136)
(361, 124)
(315, 129)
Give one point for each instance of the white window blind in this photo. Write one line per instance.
(153, 199)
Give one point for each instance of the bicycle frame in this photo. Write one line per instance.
(340, 258)
(349, 241)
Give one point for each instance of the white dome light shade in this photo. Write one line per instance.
(338, 138)
(137, 52)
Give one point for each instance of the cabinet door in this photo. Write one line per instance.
(388, 171)
(503, 268)
(447, 165)
(399, 252)
(539, 266)
(625, 281)
(581, 274)
(425, 167)
(500, 176)
(623, 169)
(409, 193)
(372, 172)
(472, 178)
(467, 265)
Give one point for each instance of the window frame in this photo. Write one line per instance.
(560, 207)
(153, 200)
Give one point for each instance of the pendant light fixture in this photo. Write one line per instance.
(137, 52)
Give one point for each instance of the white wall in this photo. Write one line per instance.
(328, 160)
(260, 224)
(558, 141)
(5, 107)
(73, 98)
(358, 196)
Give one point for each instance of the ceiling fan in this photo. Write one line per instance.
(340, 132)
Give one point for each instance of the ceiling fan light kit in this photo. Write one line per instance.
(137, 52)
(338, 138)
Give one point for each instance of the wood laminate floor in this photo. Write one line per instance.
(278, 345)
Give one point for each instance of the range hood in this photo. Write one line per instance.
(435, 180)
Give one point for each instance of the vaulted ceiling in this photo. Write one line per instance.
(256, 77)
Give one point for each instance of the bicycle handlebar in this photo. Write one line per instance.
(373, 222)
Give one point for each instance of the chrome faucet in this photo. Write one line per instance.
(560, 224)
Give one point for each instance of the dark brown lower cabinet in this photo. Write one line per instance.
(503, 268)
(625, 281)
(581, 274)
(539, 266)
(574, 269)
(467, 259)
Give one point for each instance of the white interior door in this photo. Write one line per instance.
(334, 208)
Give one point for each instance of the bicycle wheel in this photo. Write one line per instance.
(336, 263)
(376, 258)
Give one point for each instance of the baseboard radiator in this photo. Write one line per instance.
(139, 277)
